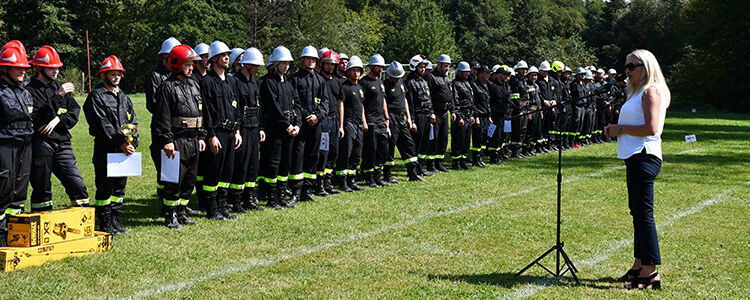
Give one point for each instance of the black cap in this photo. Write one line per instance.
(484, 69)
(474, 64)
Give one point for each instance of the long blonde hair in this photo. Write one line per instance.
(651, 76)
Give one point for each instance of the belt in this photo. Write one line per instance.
(20, 125)
(187, 122)
(229, 125)
(250, 111)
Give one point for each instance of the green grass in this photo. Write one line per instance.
(461, 235)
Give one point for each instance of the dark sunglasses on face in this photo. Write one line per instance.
(632, 66)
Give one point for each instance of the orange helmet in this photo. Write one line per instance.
(111, 63)
(179, 55)
(14, 57)
(47, 57)
(16, 44)
(330, 56)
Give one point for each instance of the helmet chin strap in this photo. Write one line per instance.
(44, 74)
(109, 82)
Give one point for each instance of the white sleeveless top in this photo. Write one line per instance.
(631, 113)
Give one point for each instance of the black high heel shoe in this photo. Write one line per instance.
(630, 275)
(646, 281)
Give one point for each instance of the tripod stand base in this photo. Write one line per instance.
(559, 272)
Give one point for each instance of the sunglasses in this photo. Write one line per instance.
(632, 66)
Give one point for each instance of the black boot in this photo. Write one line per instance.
(421, 168)
(182, 216)
(376, 176)
(250, 201)
(212, 209)
(307, 195)
(192, 212)
(388, 176)
(273, 199)
(411, 170)
(462, 163)
(370, 180)
(440, 167)
(352, 185)
(481, 161)
(320, 188)
(117, 218)
(328, 186)
(292, 199)
(236, 202)
(515, 152)
(343, 183)
(429, 166)
(455, 165)
(104, 215)
(170, 217)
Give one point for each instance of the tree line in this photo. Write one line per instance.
(701, 44)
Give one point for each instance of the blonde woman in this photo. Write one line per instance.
(638, 133)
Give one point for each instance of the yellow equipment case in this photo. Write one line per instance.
(50, 227)
(14, 258)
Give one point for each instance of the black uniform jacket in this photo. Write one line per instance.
(105, 112)
(48, 105)
(174, 99)
(16, 106)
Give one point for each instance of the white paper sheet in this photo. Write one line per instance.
(170, 167)
(121, 165)
(324, 141)
(491, 130)
(506, 127)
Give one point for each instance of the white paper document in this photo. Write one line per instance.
(506, 127)
(121, 165)
(491, 130)
(170, 167)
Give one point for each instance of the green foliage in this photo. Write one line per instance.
(423, 29)
(493, 43)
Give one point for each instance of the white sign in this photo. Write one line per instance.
(121, 165)
(491, 130)
(324, 141)
(506, 127)
(170, 167)
(690, 138)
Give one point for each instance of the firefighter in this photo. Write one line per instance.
(534, 131)
(377, 129)
(562, 111)
(200, 67)
(341, 70)
(107, 108)
(603, 110)
(222, 134)
(474, 70)
(16, 106)
(55, 113)
(618, 97)
(462, 116)
(312, 107)
(482, 118)
(418, 99)
(566, 114)
(578, 93)
(281, 125)
(401, 125)
(519, 96)
(590, 108)
(176, 126)
(246, 161)
(20, 46)
(329, 124)
(441, 94)
(351, 127)
(428, 67)
(500, 108)
(234, 59)
(549, 89)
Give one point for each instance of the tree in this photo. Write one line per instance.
(424, 29)
(491, 45)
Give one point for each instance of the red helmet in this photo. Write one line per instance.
(179, 55)
(111, 63)
(13, 57)
(17, 44)
(47, 57)
(330, 57)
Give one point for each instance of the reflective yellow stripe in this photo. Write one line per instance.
(250, 184)
(171, 202)
(210, 188)
(309, 176)
(492, 149)
(184, 201)
(390, 163)
(412, 159)
(475, 149)
(199, 178)
(43, 204)
(115, 199)
(340, 172)
(367, 171)
(321, 173)
(422, 156)
(82, 201)
(439, 156)
(12, 211)
(2, 216)
(329, 171)
(98, 202)
(282, 178)
(266, 179)
(515, 95)
(223, 184)
(237, 186)
(160, 186)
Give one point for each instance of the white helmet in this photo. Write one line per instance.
(521, 65)
(463, 66)
(309, 51)
(567, 69)
(415, 61)
(533, 69)
(612, 71)
(281, 53)
(343, 56)
(377, 60)
(545, 66)
(444, 58)
(580, 70)
(252, 56)
(354, 62)
(495, 68)
(201, 49)
(168, 44)
(428, 65)
(236, 52)
(395, 70)
(589, 75)
(216, 48)
(600, 71)
(322, 51)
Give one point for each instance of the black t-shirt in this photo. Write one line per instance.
(354, 95)
(374, 90)
(395, 96)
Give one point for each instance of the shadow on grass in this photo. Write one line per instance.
(510, 280)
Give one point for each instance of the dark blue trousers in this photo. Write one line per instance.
(642, 169)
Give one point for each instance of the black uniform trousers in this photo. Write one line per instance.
(216, 170)
(534, 130)
(442, 125)
(603, 116)
(576, 121)
(15, 168)
(548, 123)
(179, 193)
(275, 155)
(350, 149)
(588, 122)
(460, 138)
(246, 163)
(327, 158)
(305, 148)
(563, 118)
(499, 138)
(57, 158)
(109, 190)
(518, 129)
(424, 145)
(479, 138)
(374, 147)
(401, 137)
(642, 169)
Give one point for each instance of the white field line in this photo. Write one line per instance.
(530, 289)
(161, 289)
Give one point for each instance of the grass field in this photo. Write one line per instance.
(461, 235)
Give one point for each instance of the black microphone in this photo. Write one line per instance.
(618, 78)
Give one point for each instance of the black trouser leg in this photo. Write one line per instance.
(442, 132)
(642, 170)
(15, 170)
